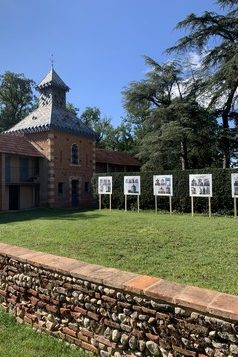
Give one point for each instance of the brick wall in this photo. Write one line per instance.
(65, 172)
(57, 168)
(116, 313)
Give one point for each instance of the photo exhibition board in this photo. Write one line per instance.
(163, 185)
(234, 185)
(200, 185)
(132, 185)
(105, 185)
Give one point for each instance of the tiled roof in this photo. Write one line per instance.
(50, 117)
(116, 158)
(19, 145)
(52, 79)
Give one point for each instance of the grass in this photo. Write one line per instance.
(199, 251)
(21, 341)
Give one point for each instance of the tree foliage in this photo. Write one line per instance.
(173, 126)
(92, 117)
(16, 98)
(220, 57)
(72, 108)
(120, 138)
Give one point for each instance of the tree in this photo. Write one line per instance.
(173, 126)
(92, 117)
(222, 62)
(121, 138)
(229, 3)
(72, 108)
(16, 98)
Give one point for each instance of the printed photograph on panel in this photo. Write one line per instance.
(105, 185)
(163, 185)
(234, 185)
(131, 185)
(200, 185)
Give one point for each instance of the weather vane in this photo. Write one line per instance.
(52, 61)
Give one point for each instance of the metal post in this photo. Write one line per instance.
(170, 204)
(209, 206)
(100, 202)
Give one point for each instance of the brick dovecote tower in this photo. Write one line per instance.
(66, 143)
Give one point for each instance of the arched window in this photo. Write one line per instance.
(74, 154)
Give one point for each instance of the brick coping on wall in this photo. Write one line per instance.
(210, 302)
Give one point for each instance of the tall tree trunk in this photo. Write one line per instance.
(225, 140)
(184, 154)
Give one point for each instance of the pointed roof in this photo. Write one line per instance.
(52, 79)
(52, 118)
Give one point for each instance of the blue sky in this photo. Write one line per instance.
(98, 45)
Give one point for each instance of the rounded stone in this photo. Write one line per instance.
(108, 333)
(143, 317)
(141, 346)
(151, 321)
(234, 349)
(116, 335)
(121, 317)
(153, 348)
(120, 296)
(86, 322)
(124, 339)
(209, 351)
(133, 343)
(117, 354)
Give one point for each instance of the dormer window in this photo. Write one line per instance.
(74, 154)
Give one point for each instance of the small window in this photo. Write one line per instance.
(86, 186)
(24, 169)
(60, 188)
(74, 154)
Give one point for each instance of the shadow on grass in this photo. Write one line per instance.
(49, 214)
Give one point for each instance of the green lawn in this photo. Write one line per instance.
(197, 251)
(23, 341)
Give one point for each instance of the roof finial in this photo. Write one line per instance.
(52, 61)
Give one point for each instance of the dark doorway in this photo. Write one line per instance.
(14, 194)
(75, 193)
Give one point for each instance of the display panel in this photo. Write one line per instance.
(200, 185)
(234, 185)
(131, 185)
(105, 185)
(163, 185)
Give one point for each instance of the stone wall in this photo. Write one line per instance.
(116, 313)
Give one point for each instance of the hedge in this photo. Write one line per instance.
(222, 201)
